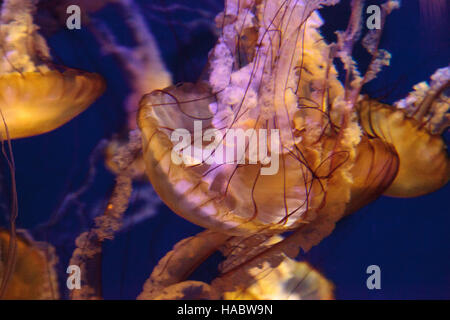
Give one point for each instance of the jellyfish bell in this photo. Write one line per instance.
(34, 276)
(291, 280)
(424, 164)
(34, 103)
(35, 97)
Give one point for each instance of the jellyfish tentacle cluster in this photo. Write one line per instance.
(87, 254)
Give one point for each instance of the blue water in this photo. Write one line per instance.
(407, 238)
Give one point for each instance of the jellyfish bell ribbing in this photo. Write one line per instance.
(414, 129)
(34, 97)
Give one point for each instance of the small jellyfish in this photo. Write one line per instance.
(34, 276)
(35, 96)
(415, 133)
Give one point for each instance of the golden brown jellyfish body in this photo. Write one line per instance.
(35, 97)
(34, 275)
(271, 69)
(424, 165)
(36, 103)
(290, 280)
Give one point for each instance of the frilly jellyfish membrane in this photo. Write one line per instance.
(272, 70)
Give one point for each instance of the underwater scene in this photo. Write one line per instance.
(224, 150)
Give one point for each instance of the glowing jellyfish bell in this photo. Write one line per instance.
(36, 98)
(34, 275)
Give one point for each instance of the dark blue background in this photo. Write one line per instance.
(407, 238)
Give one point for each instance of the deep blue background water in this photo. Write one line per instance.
(408, 238)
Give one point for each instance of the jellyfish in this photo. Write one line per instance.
(337, 150)
(290, 280)
(414, 128)
(34, 275)
(323, 150)
(37, 96)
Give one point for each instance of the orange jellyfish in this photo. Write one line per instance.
(290, 280)
(332, 149)
(253, 85)
(34, 275)
(35, 96)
